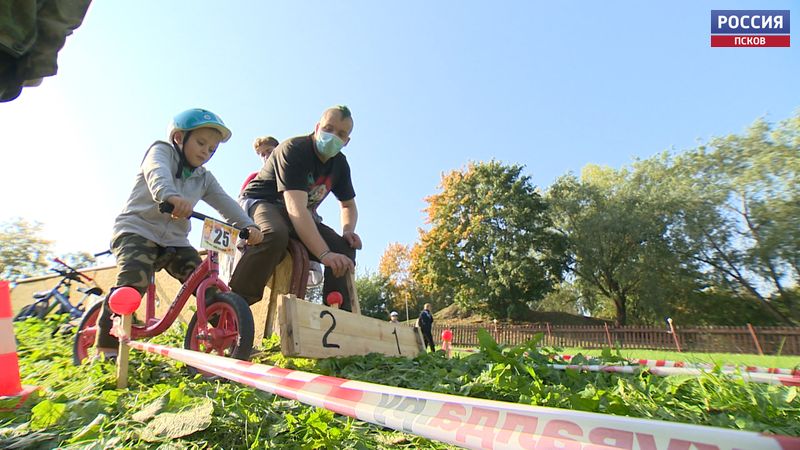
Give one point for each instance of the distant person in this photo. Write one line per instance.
(263, 146)
(295, 179)
(393, 317)
(425, 323)
(170, 172)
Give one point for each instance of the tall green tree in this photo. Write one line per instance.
(617, 223)
(490, 246)
(743, 225)
(22, 252)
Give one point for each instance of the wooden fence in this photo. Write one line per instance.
(769, 340)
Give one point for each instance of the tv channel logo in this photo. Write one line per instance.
(749, 28)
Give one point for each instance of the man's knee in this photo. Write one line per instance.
(349, 252)
(340, 245)
(276, 239)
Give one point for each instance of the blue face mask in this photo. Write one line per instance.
(328, 144)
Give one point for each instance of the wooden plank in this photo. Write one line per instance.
(355, 306)
(310, 330)
(290, 345)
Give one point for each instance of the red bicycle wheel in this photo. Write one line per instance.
(85, 335)
(230, 328)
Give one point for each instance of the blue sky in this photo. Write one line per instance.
(432, 85)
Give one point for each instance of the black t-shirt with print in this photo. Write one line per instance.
(294, 166)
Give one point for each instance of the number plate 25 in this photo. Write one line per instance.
(219, 237)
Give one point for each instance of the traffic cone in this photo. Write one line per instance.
(11, 390)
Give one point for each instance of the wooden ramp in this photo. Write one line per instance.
(310, 330)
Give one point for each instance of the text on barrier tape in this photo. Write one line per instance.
(470, 422)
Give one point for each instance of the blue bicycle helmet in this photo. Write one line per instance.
(195, 118)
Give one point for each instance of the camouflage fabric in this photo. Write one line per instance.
(137, 260)
(31, 34)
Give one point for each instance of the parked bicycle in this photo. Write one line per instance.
(46, 302)
(222, 324)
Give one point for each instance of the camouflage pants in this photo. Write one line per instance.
(138, 259)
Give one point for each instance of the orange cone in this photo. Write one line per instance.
(10, 387)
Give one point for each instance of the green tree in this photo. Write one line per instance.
(743, 222)
(491, 246)
(79, 260)
(617, 226)
(372, 298)
(22, 253)
(403, 293)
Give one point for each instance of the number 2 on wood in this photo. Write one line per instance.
(397, 340)
(325, 336)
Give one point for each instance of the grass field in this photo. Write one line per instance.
(164, 407)
(739, 359)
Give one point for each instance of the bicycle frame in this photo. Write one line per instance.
(62, 298)
(63, 301)
(205, 276)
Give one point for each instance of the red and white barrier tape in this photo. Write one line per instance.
(725, 368)
(670, 371)
(470, 422)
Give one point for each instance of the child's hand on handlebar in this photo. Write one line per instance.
(255, 236)
(183, 209)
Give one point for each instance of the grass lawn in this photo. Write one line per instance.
(739, 359)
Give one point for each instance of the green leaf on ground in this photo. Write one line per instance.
(167, 426)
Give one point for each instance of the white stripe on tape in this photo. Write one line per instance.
(757, 377)
(724, 368)
(474, 423)
(7, 343)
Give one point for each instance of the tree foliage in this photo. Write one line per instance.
(490, 246)
(743, 220)
(617, 224)
(711, 225)
(371, 288)
(22, 253)
(403, 293)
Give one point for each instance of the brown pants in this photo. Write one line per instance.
(259, 262)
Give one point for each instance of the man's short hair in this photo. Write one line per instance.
(344, 111)
(265, 140)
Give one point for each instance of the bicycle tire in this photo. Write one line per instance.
(32, 310)
(85, 334)
(227, 314)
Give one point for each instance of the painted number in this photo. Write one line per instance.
(221, 237)
(325, 342)
(397, 341)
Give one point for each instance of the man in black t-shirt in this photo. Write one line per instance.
(293, 181)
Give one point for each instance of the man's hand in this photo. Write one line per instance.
(353, 239)
(183, 209)
(338, 263)
(255, 236)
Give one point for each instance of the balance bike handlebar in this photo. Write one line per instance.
(166, 207)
